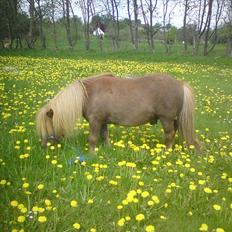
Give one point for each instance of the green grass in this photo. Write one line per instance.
(101, 184)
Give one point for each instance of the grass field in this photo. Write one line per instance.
(134, 185)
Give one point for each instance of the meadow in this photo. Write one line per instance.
(133, 185)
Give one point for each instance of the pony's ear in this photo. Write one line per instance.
(50, 113)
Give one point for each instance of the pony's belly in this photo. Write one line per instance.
(131, 119)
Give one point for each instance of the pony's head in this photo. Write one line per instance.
(58, 117)
(45, 126)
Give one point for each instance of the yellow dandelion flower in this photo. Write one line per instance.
(191, 147)
(150, 228)
(190, 213)
(145, 194)
(25, 185)
(14, 203)
(90, 201)
(119, 207)
(76, 226)
(42, 219)
(217, 207)
(139, 191)
(192, 187)
(141, 183)
(41, 210)
(54, 162)
(40, 186)
(150, 203)
(155, 199)
(89, 177)
(35, 208)
(21, 219)
(125, 202)
(47, 202)
(207, 190)
(23, 210)
(73, 203)
(121, 222)
(3, 182)
(20, 206)
(201, 182)
(52, 147)
(203, 227)
(113, 182)
(220, 230)
(140, 217)
(58, 145)
(163, 217)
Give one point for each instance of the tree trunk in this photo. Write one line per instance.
(136, 39)
(230, 46)
(184, 27)
(130, 23)
(117, 24)
(68, 30)
(30, 41)
(194, 51)
(41, 31)
(74, 38)
(151, 28)
(54, 24)
(147, 27)
(208, 23)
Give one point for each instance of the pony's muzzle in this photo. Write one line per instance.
(50, 140)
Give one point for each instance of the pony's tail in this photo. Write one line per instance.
(186, 120)
(68, 108)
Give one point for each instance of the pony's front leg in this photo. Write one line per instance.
(105, 134)
(95, 128)
(169, 131)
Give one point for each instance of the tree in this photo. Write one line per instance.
(186, 4)
(212, 34)
(66, 16)
(52, 8)
(129, 13)
(41, 12)
(206, 15)
(148, 8)
(31, 37)
(136, 39)
(14, 24)
(198, 15)
(87, 9)
(228, 26)
(112, 11)
(167, 12)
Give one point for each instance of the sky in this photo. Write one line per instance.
(176, 18)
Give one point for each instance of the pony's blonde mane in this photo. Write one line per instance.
(67, 107)
(41, 122)
(186, 117)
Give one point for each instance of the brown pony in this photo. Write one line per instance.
(106, 99)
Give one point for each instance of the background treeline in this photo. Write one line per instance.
(136, 23)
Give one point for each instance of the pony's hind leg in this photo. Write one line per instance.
(105, 134)
(169, 131)
(94, 133)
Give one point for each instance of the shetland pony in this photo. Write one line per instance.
(106, 99)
